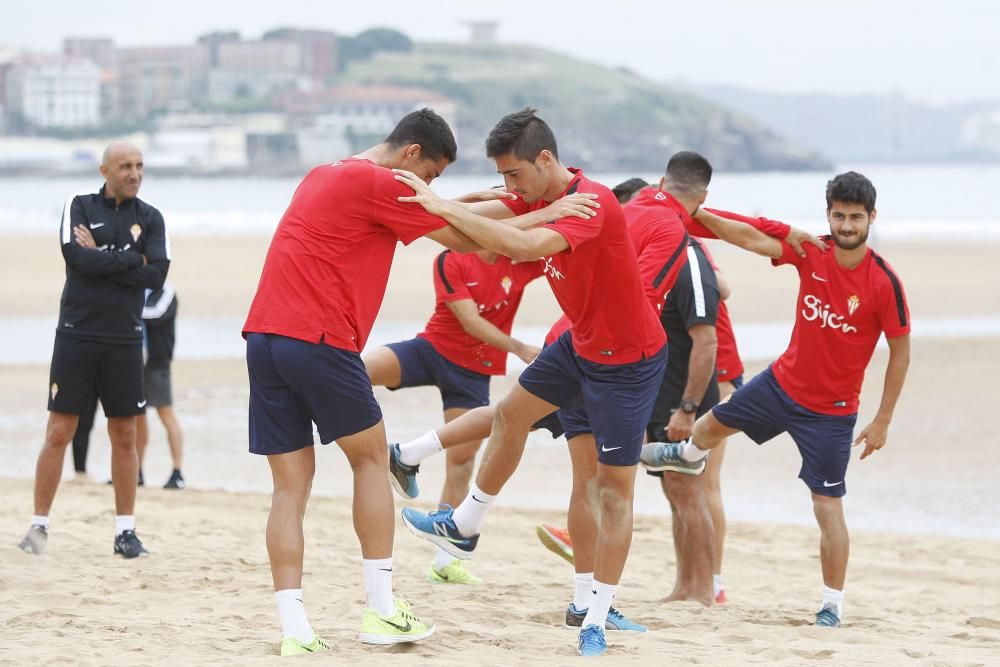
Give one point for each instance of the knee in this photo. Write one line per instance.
(122, 432)
(828, 510)
(683, 491)
(58, 435)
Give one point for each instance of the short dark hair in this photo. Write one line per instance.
(428, 129)
(689, 171)
(850, 188)
(625, 190)
(524, 134)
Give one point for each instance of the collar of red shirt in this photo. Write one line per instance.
(653, 195)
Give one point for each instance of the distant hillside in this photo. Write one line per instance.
(869, 128)
(606, 119)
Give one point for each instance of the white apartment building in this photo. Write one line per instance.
(64, 93)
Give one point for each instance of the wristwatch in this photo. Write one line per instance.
(689, 407)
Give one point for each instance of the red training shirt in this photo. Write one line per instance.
(327, 267)
(596, 281)
(496, 289)
(839, 317)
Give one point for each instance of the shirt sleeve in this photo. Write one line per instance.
(449, 278)
(696, 294)
(407, 220)
(531, 270)
(789, 256)
(778, 230)
(894, 312)
(661, 259)
(578, 230)
(517, 206)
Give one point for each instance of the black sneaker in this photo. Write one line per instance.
(129, 545)
(176, 481)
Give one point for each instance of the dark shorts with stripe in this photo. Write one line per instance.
(80, 368)
(422, 366)
(614, 402)
(762, 410)
(295, 384)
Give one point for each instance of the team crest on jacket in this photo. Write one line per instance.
(852, 304)
(506, 283)
(53, 390)
(136, 232)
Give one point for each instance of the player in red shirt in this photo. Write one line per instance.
(323, 281)
(611, 369)
(848, 297)
(465, 342)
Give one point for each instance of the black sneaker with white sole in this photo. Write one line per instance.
(129, 545)
(176, 481)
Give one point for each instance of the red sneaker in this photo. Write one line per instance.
(556, 540)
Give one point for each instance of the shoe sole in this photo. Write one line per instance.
(674, 468)
(387, 640)
(555, 546)
(445, 544)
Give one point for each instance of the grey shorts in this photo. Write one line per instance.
(158, 390)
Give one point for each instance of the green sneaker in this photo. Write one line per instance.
(453, 573)
(292, 646)
(400, 628)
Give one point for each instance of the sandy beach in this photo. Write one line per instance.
(922, 587)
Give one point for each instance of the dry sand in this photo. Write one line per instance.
(916, 591)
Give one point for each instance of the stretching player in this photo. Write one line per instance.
(847, 299)
(465, 342)
(320, 289)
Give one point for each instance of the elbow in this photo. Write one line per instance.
(520, 251)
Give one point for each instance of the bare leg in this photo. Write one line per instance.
(835, 543)
(512, 421)
(292, 475)
(476, 424)
(124, 463)
(141, 437)
(584, 504)
(461, 463)
(48, 470)
(693, 535)
(615, 491)
(373, 509)
(175, 437)
(383, 367)
(713, 489)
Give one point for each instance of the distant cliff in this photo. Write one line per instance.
(605, 119)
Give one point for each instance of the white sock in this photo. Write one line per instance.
(600, 603)
(582, 590)
(292, 613)
(37, 520)
(378, 586)
(442, 559)
(717, 585)
(836, 598)
(470, 514)
(690, 452)
(415, 451)
(124, 522)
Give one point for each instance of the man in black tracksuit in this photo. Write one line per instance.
(115, 246)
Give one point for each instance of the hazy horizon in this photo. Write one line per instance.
(850, 48)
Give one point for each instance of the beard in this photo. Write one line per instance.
(850, 242)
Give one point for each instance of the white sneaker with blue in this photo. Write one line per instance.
(439, 528)
(615, 621)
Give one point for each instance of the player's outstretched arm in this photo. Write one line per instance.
(520, 245)
(874, 435)
(477, 326)
(740, 234)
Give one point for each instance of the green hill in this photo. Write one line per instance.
(606, 119)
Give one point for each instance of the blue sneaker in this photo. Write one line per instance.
(827, 617)
(615, 621)
(439, 528)
(592, 643)
(659, 456)
(402, 476)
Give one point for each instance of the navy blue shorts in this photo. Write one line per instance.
(762, 410)
(615, 401)
(423, 366)
(294, 384)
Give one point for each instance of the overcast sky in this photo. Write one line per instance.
(929, 50)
